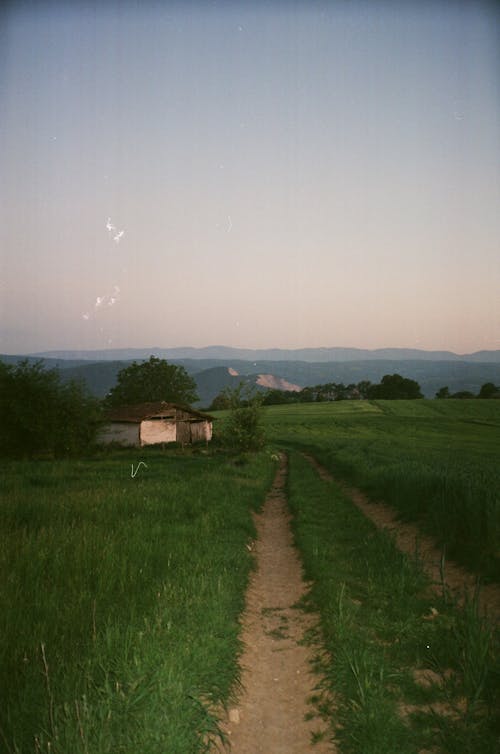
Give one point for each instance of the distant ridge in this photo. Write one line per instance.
(315, 355)
(213, 375)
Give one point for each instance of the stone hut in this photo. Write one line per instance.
(156, 423)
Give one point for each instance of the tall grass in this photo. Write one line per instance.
(435, 461)
(380, 624)
(120, 598)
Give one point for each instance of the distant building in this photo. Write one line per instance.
(156, 423)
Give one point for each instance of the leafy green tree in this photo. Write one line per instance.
(489, 390)
(327, 392)
(443, 392)
(395, 387)
(221, 402)
(341, 392)
(40, 413)
(306, 395)
(243, 430)
(363, 388)
(276, 397)
(153, 380)
(463, 394)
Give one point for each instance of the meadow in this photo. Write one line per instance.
(121, 585)
(120, 598)
(404, 668)
(435, 461)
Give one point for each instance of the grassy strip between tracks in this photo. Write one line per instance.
(405, 670)
(119, 598)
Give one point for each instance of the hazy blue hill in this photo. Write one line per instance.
(431, 375)
(483, 356)
(212, 374)
(211, 381)
(99, 376)
(314, 355)
(49, 363)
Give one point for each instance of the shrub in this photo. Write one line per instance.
(243, 430)
(39, 413)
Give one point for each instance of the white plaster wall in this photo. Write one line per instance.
(156, 431)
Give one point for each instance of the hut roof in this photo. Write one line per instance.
(157, 409)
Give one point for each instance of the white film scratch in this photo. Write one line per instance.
(133, 473)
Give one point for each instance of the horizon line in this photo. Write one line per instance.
(246, 348)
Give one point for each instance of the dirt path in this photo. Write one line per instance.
(277, 681)
(409, 538)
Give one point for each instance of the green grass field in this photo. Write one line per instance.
(437, 462)
(120, 595)
(120, 598)
(405, 671)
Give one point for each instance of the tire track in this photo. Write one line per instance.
(410, 540)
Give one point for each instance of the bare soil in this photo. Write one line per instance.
(274, 713)
(409, 539)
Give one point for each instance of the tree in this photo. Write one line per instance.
(363, 388)
(153, 380)
(243, 430)
(443, 392)
(463, 394)
(221, 402)
(306, 395)
(395, 387)
(489, 390)
(38, 412)
(276, 397)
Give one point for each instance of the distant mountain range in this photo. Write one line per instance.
(214, 371)
(315, 355)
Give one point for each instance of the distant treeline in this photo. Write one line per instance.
(391, 387)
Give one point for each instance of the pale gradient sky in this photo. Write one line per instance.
(286, 174)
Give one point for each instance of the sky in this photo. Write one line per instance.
(253, 174)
